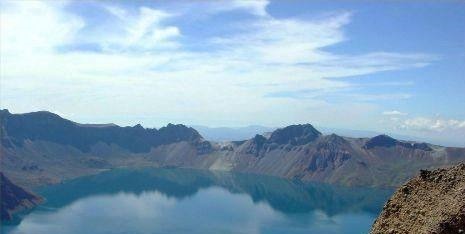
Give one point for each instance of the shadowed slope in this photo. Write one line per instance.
(15, 198)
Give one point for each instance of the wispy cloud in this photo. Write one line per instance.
(256, 7)
(394, 113)
(143, 62)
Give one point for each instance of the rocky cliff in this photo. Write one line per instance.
(432, 202)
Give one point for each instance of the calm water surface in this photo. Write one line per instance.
(190, 201)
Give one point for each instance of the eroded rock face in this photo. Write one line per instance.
(432, 202)
(15, 198)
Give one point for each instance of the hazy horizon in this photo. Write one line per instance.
(238, 133)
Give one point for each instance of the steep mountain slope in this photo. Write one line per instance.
(41, 147)
(14, 198)
(432, 202)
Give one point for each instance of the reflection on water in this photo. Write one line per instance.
(191, 201)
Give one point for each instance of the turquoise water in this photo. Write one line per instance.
(190, 201)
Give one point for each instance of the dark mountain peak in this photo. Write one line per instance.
(170, 125)
(380, 141)
(43, 115)
(177, 127)
(4, 112)
(300, 134)
(387, 141)
(138, 126)
(178, 132)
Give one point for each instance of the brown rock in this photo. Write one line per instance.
(432, 202)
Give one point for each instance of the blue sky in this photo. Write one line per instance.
(371, 65)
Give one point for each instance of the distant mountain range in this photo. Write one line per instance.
(247, 132)
(42, 148)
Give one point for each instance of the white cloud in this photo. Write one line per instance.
(394, 113)
(433, 124)
(257, 7)
(144, 67)
(30, 27)
(254, 7)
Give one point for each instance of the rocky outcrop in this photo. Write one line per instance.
(432, 202)
(15, 198)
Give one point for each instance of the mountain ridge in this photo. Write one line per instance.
(43, 125)
(47, 149)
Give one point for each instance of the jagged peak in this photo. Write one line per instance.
(177, 126)
(182, 131)
(138, 126)
(295, 134)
